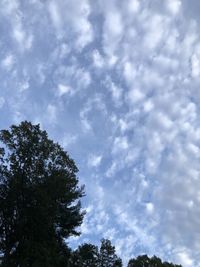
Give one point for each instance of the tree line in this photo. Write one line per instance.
(40, 206)
(88, 255)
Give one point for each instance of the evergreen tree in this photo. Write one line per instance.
(39, 198)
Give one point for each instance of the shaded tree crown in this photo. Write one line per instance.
(39, 197)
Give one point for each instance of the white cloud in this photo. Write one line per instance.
(111, 170)
(195, 66)
(71, 79)
(83, 78)
(71, 18)
(153, 38)
(24, 39)
(135, 95)
(51, 113)
(23, 86)
(19, 34)
(110, 233)
(150, 208)
(9, 7)
(120, 144)
(64, 89)
(133, 6)
(129, 71)
(184, 259)
(86, 126)
(112, 32)
(97, 59)
(114, 23)
(8, 62)
(148, 105)
(2, 102)
(12, 13)
(55, 14)
(94, 160)
(94, 104)
(68, 140)
(116, 91)
(174, 6)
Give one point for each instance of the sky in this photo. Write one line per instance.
(117, 84)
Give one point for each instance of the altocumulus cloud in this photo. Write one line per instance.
(117, 84)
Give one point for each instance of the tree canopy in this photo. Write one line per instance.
(145, 261)
(39, 197)
(85, 255)
(88, 255)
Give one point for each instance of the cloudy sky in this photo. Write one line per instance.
(117, 84)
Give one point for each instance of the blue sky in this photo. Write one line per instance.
(116, 83)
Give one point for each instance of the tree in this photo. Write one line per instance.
(85, 256)
(145, 261)
(118, 263)
(140, 261)
(107, 256)
(39, 198)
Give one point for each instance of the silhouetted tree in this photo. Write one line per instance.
(140, 261)
(107, 257)
(39, 198)
(145, 261)
(85, 256)
(118, 263)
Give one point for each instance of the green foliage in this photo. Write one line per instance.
(39, 198)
